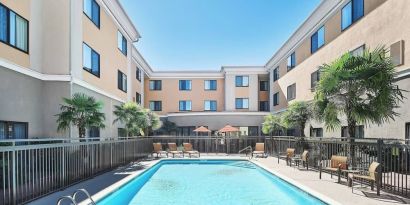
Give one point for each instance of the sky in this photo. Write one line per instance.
(208, 34)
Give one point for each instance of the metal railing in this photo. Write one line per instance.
(32, 168)
(393, 155)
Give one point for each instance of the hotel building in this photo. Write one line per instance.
(50, 49)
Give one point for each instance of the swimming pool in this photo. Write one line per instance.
(206, 182)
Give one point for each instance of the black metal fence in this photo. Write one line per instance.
(32, 168)
(393, 155)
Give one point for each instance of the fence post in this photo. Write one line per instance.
(14, 174)
(320, 158)
(379, 160)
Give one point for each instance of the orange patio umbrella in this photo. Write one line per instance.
(229, 128)
(202, 129)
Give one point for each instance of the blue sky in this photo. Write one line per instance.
(208, 34)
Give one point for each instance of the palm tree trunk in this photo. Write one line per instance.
(351, 126)
(302, 129)
(81, 132)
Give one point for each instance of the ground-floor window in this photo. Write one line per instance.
(121, 132)
(94, 132)
(253, 131)
(316, 132)
(407, 137)
(359, 132)
(186, 131)
(13, 130)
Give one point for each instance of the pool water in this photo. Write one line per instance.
(208, 182)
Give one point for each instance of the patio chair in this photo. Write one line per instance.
(290, 152)
(158, 150)
(370, 176)
(172, 149)
(188, 149)
(337, 163)
(259, 149)
(302, 158)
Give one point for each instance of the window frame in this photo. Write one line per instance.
(276, 75)
(288, 89)
(90, 17)
(353, 20)
(153, 89)
(125, 51)
(210, 87)
(317, 79)
(7, 42)
(407, 131)
(266, 106)
(138, 98)
(138, 74)
(292, 59)
(99, 61)
(317, 36)
(120, 86)
(210, 105)
(275, 100)
(185, 110)
(261, 82)
(241, 85)
(154, 102)
(185, 81)
(12, 123)
(242, 107)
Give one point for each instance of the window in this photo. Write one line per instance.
(122, 132)
(242, 103)
(314, 78)
(138, 74)
(94, 132)
(291, 61)
(276, 99)
(317, 39)
(292, 91)
(185, 105)
(185, 85)
(155, 85)
(359, 131)
(352, 12)
(121, 43)
(316, 132)
(138, 96)
(13, 130)
(253, 131)
(276, 74)
(92, 11)
(358, 51)
(263, 85)
(407, 137)
(155, 105)
(210, 84)
(242, 81)
(264, 106)
(91, 60)
(397, 53)
(210, 105)
(186, 131)
(13, 29)
(122, 81)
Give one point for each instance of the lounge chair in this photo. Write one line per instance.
(173, 149)
(370, 176)
(158, 150)
(337, 163)
(290, 152)
(259, 149)
(188, 149)
(303, 158)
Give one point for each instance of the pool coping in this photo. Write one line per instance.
(117, 185)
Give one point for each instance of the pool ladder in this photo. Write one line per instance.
(248, 148)
(74, 196)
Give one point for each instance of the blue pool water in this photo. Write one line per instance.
(208, 182)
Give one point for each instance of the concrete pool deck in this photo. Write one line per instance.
(326, 186)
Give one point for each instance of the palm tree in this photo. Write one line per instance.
(360, 88)
(168, 127)
(272, 123)
(153, 122)
(82, 111)
(297, 114)
(132, 116)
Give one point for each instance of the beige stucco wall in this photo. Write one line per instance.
(170, 95)
(104, 41)
(136, 85)
(13, 55)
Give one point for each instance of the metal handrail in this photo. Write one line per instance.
(244, 149)
(84, 192)
(66, 197)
